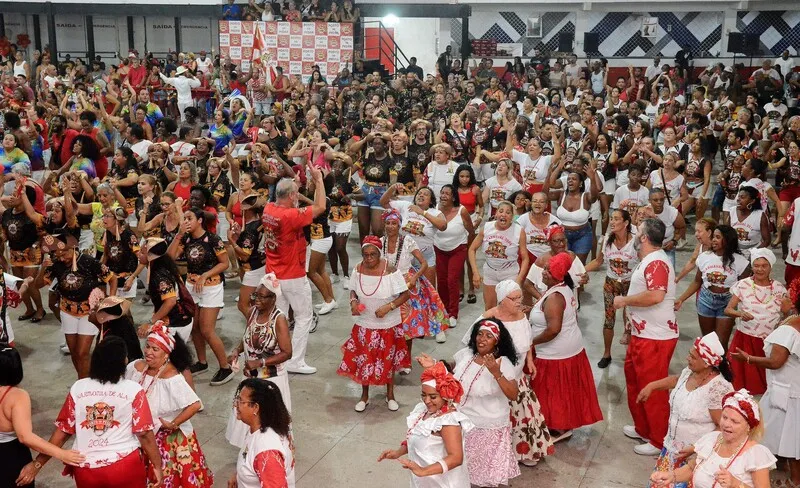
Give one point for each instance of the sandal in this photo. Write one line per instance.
(27, 316)
(471, 298)
(36, 320)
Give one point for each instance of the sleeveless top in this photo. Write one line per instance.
(748, 230)
(501, 247)
(534, 235)
(620, 262)
(182, 191)
(453, 236)
(569, 341)
(6, 436)
(261, 341)
(572, 218)
(468, 200)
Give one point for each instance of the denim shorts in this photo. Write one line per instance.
(579, 241)
(710, 304)
(372, 196)
(719, 197)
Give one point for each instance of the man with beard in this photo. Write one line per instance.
(650, 305)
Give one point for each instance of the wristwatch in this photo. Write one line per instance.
(37, 465)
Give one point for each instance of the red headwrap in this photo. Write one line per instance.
(553, 230)
(742, 402)
(559, 265)
(490, 326)
(445, 383)
(161, 337)
(372, 240)
(390, 214)
(794, 290)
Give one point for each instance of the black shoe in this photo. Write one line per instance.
(603, 363)
(198, 368)
(471, 298)
(223, 376)
(314, 322)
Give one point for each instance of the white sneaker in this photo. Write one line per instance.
(361, 406)
(301, 368)
(680, 244)
(441, 338)
(346, 282)
(334, 278)
(405, 371)
(64, 349)
(393, 406)
(327, 307)
(453, 322)
(647, 449)
(220, 314)
(630, 431)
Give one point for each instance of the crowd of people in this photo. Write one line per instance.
(170, 180)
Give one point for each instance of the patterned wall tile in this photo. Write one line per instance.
(777, 30)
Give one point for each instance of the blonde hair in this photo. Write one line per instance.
(510, 205)
(757, 432)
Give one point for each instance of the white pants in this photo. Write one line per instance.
(296, 293)
(182, 107)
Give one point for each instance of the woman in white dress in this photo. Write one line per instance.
(267, 458)
(264, 349)
(782, 399)
(435, 438)
(695, 402)
(730, 457)
(172, 403)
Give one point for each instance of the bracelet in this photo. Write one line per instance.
(443, 465)
(748, 359)
(263, 365)
(391, 304)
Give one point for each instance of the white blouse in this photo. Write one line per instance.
(167, 397)
(426, 448)
(688, 417)
(415, 225)
(257, 443)
(374, 292)
(568, 342)
(483, 401)
(708, 462)
(403, 262)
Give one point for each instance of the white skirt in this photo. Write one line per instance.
(781, 426)
(236, 431)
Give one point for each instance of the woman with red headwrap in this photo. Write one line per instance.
(376, 348)
(730, 457)
(563, 383)
(557, 239)
(172, 403)
(435, 437)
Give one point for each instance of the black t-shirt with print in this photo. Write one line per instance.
(201, 252)
(376, 170)
(121, 254)
(20, 231)
(120, 174)
(221, 189)
(162, 286)
(250, 240)
(153, 210)
(78, 285)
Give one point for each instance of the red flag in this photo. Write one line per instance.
(261, 58)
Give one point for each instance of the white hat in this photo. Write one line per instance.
(505, 288)
(728, 69)
(762, 252)
(576, 126)
(181, 70)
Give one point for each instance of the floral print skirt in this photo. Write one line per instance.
(373, 356)
(490, 459)
(666, 462)
(529, 435)
(182, 461)
(424, 313)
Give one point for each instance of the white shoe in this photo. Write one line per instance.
(441, 338)
(64, 349)
(301, 368)
(453, 322)
(327, 307)
(405, 371)
(562, 436)
(334, 278)
(647, 449)
(346, 282)
(361, 406)
(220, 314)
(630, 431)
(680, 244)
(393, 406)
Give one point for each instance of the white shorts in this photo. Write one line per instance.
(253, 277)
(223, 226)
(86, 242)
(728, 204)
(492, 277)
(71, 324)
(184, 332)
(122, 293)
(263, 107)
(341, 228)
(322, 245)
(211, 297)
(609, 187)
(595, 211)
(698, 190)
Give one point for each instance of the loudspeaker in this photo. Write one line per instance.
(735, 41)
(591, 42)
(565, 40)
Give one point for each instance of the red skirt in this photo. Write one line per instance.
(372, 356)
(747, 375)
(566, 392)
(128, 472)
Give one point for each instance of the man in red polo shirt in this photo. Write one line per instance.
(285, 248)
(61, 138)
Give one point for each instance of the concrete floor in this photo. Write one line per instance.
(336, 446)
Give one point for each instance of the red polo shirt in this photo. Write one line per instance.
(285, 246)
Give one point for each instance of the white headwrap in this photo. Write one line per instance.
(271, 283)
(710, 349)
(505, 288)
(762, 252)
(745, 404)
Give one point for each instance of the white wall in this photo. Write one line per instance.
(418, 38)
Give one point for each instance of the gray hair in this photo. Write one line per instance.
(654, 230)
(21, 169)
(655, 190)
(104, 186)
(285, 188)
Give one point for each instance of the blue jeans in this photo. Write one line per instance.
(710, 304)
(579, 241)
(671, 255)
(719, 197)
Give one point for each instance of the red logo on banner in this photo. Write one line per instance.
(347, 29)
(307, 67)
(283, 41)
(296, 28)
(333, 42)
(321, 28)
(322, 55)
(236, 39)
(248, 27)
(308, 42)
(333, 68)
(247, 52)
(224, 28)
(295, 54)
(346, 56)
(224, 51)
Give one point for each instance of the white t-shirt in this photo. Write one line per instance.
(715, 274)
(140, 149)
(668, 216)
(762, 302)
(104, 418)
(629, 200)
(416, 225)
(673, 186)
(483, 400)
(261, 454)
(620, 262)
(656, 322)
(775, 114)
(498, 192)
(532, 170)
(534, 236)
(204, 66)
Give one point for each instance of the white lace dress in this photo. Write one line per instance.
(708, 462)
(426, 448)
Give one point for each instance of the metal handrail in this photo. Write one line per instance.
(394, 49)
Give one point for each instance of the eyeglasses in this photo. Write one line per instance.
(237, 400)
(256, 296)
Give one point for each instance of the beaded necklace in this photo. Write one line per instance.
(361, 285)
(153, 382)
(422, 417)
(398, 251)
(469, 388)
(732, 459)
(770, 295)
